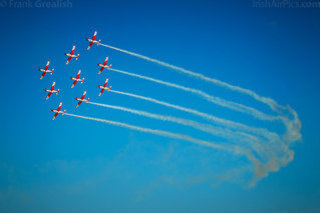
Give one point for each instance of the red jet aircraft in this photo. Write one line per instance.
(93, 40)
(104, 65)
(45, 70)
(51, 90)
(82, 99)
(72, 55)
(58, 111)
(104, 87)
(76, 79)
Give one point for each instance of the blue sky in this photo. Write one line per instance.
(76, 165)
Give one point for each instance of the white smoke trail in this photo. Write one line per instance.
(273, 104)
(161, 133)
(257, 145)
(227, 123)
(293, 125)
(224, 133)
(221, 102)
(277, 154)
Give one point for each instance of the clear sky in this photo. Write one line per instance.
(77, 165)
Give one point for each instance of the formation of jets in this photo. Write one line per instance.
(76, 79)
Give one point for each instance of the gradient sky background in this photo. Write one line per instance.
(75, 165)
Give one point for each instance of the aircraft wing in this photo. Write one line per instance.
(89, 45)
(43, 74)
(59, 108)
(79, 104)
(48, 96)
(101, 69)
(94, 36)
(72, 51)
(74, 83)
(55, 115)
(47, 66)
(106, 61)
(69, 59)
(106, 83)
(52, 87)
(102, 90)
(84, 94)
